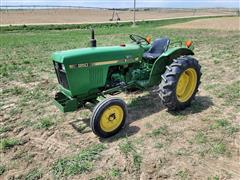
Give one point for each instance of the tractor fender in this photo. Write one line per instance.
(165, 59)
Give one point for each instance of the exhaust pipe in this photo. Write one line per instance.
(93, 41)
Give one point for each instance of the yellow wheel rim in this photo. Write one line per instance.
(186, 84)
(111, 118)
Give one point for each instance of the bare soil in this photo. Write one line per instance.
(95, 15)
(225, 24)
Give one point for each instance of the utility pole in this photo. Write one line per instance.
(134, 13)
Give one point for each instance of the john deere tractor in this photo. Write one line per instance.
(87, 75)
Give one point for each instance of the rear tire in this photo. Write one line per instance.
(180, 83)
(109, 117)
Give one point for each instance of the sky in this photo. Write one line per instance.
(126, 3)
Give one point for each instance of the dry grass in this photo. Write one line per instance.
(224, 24)
(96, 15)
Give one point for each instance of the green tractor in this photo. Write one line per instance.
(87, 75)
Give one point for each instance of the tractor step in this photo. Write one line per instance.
(65, 103)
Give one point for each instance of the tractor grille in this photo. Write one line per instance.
(61, 74)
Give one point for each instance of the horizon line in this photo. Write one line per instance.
(50, 6)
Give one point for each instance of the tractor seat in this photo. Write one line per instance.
(158, 47)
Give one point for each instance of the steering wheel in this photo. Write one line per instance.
(138, 39)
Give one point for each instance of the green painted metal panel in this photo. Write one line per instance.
(87, 68)
(165, 59)
(97, 54)
(64, 103)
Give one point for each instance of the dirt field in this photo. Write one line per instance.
(94, 15)
(225, 24)
(39, 142)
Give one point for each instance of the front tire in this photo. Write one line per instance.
(109, 117)
(180, 83)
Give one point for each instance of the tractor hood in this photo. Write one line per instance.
(98, 54)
